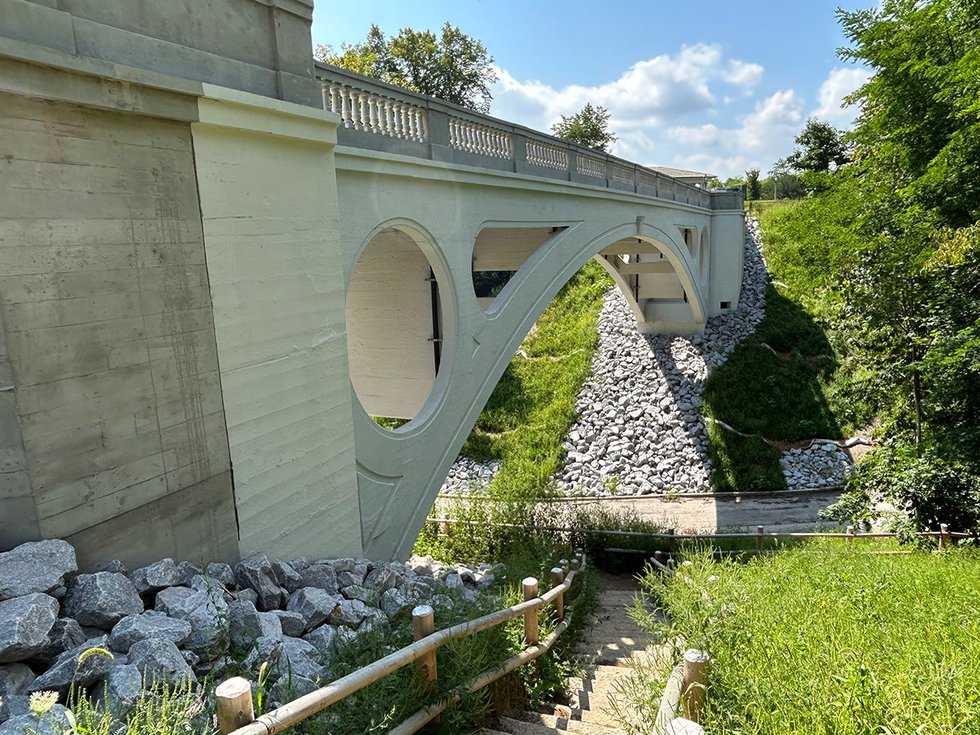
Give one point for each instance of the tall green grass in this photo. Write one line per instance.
(827, 639)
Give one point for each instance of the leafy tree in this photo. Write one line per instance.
(451, 66)
(589, 128)
(919, 131)
(821, 148)
(753, 187)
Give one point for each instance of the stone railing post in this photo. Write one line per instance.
(439, 147)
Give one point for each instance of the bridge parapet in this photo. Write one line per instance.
(383, 117)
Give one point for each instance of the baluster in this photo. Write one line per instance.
(403, 125)
(389, 128)
(423, 126)
(374, 108)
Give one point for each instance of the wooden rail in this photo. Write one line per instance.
(231, 711)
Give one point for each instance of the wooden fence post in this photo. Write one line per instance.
(695, 683)
(671, 542)
(759, 538)
(557, 577)
(850, 535)
(423, 624)
(943, 537)
(445, 528)
(233, 701)
(530, 585)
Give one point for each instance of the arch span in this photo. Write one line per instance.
(399, 472)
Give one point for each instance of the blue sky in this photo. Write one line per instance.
(712, 86)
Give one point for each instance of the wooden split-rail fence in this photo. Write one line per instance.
(233, 697)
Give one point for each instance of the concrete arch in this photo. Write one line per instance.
(398, 472)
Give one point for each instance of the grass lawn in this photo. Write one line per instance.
(825, 640)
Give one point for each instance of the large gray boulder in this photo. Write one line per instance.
(120, 689)
(244, 624)
(314, 604)
(36, 566)
(53, 722)
(81, 665)
(222, 572)
(395, 603)
(150, 624)
(293, 624)
(15, 679)
(320, 574)
(25, 623)
(359, 592)
(288, 577)
(382, 578)
(159, 660)
(256, 573)
(288, 658)
(12, 705)
(65, 633)
(172, 598)
(102, 599)
(350, 571)
(207, 614)
(324, 640)
(349, 613)
(155, 576)
(271, 625)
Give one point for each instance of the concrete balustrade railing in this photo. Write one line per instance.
(383, 117)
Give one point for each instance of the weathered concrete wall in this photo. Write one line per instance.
(260, 46)
(269, 204)
(389, 327)
(17, 509)
(105, 304)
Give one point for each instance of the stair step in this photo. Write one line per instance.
(520, 727)
(552, 724)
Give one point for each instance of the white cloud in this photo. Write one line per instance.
(743, 74)
(760, 137)
(838, 84)
(690, 109)
(652, 92)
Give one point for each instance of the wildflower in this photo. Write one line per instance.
(41, 702)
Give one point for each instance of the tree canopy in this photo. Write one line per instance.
(821, 148)
(451, 66)
(897, 231)
(589, 127)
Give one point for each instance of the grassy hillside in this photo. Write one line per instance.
(533, 406)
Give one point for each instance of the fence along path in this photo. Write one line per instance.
(598, 700)
(234, 701)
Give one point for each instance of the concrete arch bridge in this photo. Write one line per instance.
(431, 194)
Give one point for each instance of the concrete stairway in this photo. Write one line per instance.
(608, 648)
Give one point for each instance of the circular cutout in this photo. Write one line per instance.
(394, 327)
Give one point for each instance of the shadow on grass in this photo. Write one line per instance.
(773, 386)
